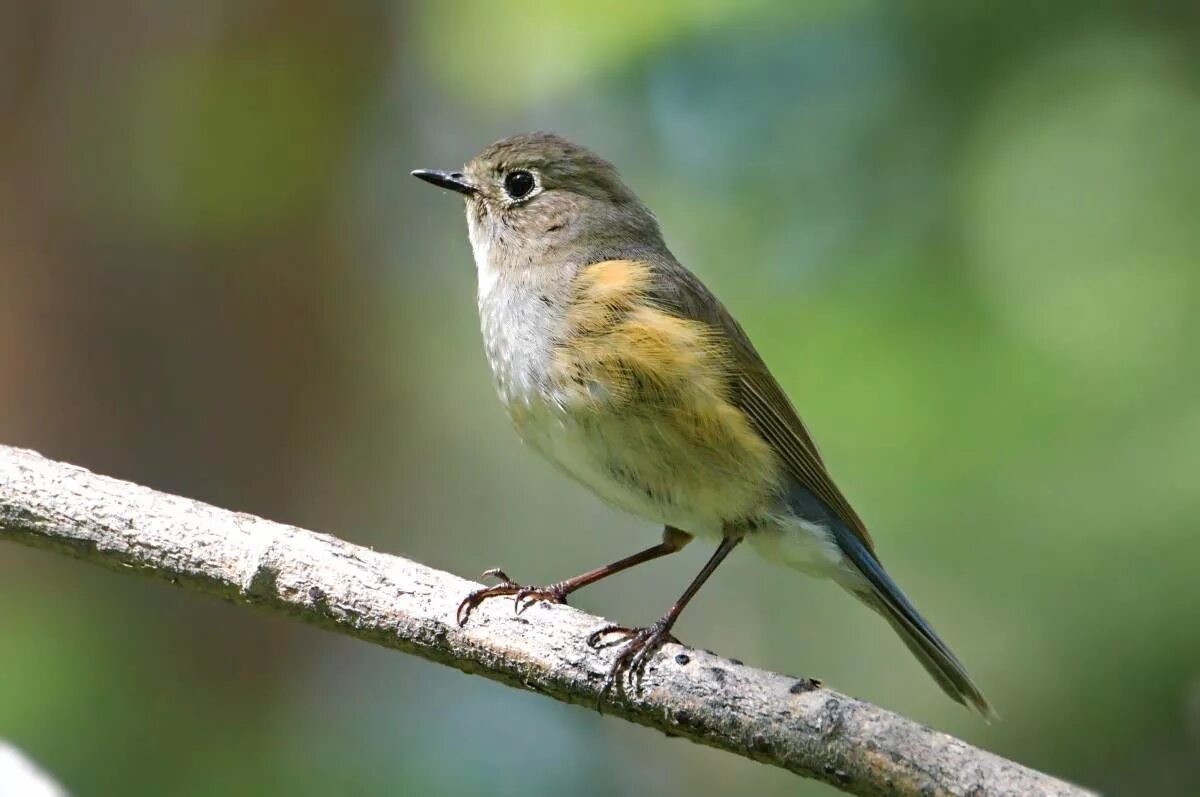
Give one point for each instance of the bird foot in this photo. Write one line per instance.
(641, 645)
(523, 596)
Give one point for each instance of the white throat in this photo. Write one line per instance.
(481, 247)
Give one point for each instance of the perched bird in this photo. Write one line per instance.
(618, 365)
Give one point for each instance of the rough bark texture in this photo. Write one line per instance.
(776, 719)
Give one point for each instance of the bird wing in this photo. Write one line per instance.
(758, 396)
(754, 390)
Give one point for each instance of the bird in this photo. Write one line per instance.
(618, 365)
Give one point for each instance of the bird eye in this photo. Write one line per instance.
(519, 183)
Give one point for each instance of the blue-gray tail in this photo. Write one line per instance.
(882, 595)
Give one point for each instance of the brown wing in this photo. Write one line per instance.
(756, 393)
(772, 415)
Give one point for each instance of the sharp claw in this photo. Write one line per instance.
(464, 611)
(630, 664)
(637, 665)
(593, 639)
(605, 688)
(472, 601)
(496, 572)
(523, 597)
(527, 596)
(612, 681)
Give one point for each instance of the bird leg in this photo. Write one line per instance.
(524, 597)
(643, 642)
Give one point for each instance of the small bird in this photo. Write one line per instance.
(618, 365)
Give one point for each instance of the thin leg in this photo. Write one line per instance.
(673, 540)
(643, 642)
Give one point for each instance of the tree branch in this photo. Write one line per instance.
(400, 604)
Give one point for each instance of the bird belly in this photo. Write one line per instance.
(652, 464)
(800, 544)
(653, 471)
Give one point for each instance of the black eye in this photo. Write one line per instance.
(518, 183)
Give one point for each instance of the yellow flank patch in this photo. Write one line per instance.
(604, 290)
(614, 275)
(620, 342)
(622, 354)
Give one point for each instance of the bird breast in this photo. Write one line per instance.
(627, 398)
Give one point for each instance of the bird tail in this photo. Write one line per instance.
(882, 594)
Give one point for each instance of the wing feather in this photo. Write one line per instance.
(755, 391)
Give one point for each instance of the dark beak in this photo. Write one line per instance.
(455, 181)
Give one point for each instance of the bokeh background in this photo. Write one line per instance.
(965, 235)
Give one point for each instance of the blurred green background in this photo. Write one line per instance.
(965, 236)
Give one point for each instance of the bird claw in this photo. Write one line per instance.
(523, 596)
(630, 665)
(527, 596)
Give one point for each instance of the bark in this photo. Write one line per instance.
(776, 719)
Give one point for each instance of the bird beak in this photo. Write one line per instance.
(455, 181)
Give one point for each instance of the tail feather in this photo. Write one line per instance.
(937, 660)
(882, 595)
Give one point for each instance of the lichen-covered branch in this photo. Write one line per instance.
(776, 719)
